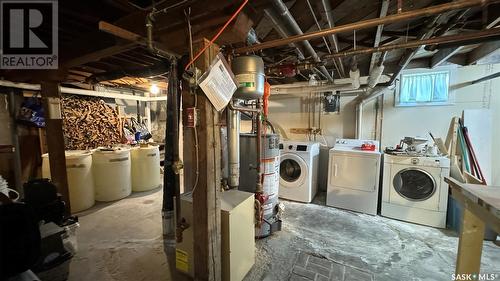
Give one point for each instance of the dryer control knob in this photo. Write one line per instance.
(290, 147)
(414, 161)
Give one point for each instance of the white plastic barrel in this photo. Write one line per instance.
(112, 173)
(80, 178)
(145, 167)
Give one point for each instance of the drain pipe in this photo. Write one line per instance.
(149, 37)
(371, 94)
(359, 120)
(233, 141)
(373, 80)
(290, 20)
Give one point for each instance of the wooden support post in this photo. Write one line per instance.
(51, 98)
(470, 245)
(15, 143)
(206, 200)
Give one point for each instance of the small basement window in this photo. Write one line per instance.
(429, 88)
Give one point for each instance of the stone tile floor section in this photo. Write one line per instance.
(316, 268)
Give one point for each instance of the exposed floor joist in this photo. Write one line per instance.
(444, 54)
(483, 51)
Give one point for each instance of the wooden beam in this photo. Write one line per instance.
(460, 59)
(378, 35)
(133, 37)
(98, 55)
(51, 99)
(206, 195)
(118, 31)
(444, 54)
(483, 51)
(470, 245)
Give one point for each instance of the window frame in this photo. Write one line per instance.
(397, 92)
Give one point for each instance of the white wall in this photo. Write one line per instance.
(291, 112)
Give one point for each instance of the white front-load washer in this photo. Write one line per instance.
(414, 189)
(298, 170)
(353, 176)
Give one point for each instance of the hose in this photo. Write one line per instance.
(216, 35)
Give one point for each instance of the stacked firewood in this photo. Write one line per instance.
(89, 122)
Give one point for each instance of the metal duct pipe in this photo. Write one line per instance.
(290, 20)
(404, 16)
(278, 26)
(333, 38)
(282, 31)
(233, 143)
(376, 71)
(427, 32)
(375, 75)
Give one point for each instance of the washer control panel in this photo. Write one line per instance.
(294, 147)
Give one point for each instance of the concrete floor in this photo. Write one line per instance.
(123, 241)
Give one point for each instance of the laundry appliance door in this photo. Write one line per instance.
(293, 171)
(416, 187)
(355, 171)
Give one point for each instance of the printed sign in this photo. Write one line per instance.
(28, 35)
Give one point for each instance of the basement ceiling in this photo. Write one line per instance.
(84, 50)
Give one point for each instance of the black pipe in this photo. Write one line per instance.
(171, 175)
(144, 72)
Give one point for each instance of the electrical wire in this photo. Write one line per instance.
(216, 35)
(195, 129)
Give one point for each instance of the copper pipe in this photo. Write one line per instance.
(429, 11)
(492, 34)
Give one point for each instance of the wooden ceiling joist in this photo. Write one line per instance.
(483, 51)
(444, 54)
(98, 55)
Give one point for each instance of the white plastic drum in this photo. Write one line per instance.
(80, 178)
(145, 167)
(112, 173)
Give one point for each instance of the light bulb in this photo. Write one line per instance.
(154, 89)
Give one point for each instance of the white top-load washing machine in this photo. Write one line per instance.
(353, 176)
(414, 189)
(299, 170)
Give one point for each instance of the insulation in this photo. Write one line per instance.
(89, 122)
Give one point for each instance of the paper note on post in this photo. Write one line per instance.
(218, 83)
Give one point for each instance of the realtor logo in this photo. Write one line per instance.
(29, 34)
